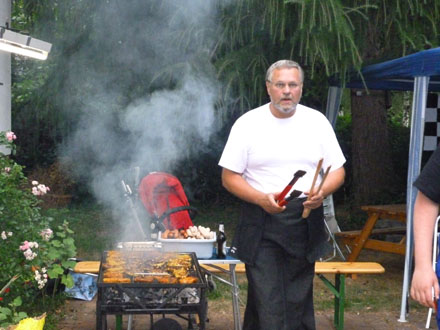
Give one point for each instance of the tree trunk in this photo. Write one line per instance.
(372, 166)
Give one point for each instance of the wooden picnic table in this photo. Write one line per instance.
(361, 239)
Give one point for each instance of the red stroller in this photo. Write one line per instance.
(163, 196)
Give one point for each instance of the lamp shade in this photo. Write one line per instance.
(21, 44)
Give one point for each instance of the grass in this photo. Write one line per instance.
(97, 229)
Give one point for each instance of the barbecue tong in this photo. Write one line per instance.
(306, 210)
(280, 198)
(294, 194)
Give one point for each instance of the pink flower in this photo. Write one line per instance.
(29, 255)
(40, 189)
(34, 183)
(7, 169)
(46, 234)
(25, 246)
(10, 136)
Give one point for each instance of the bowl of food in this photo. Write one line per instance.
(197, 239)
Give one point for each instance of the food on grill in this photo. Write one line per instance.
(116, 280)
(113, 273)
(166, 279)
(137, 266)
(144, 279)
(188, 280)
(146, 285)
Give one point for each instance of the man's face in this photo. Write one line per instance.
(284, 89)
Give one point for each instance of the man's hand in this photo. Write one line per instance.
(421, 288)
(238, 186)
(269, 204)
(315, 200)
(334, 180)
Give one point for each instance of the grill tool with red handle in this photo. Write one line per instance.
(293, 195)
(280, 198)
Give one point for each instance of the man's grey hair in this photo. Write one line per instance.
(284, 64)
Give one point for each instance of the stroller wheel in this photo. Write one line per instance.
(166, 324)
(211, 283)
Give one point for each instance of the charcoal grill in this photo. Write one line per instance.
(151, 298)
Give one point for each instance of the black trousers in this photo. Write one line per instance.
(280, 290)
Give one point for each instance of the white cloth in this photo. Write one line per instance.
(267, 151)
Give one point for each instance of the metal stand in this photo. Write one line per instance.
(232, 282)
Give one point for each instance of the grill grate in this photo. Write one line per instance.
(150, 298)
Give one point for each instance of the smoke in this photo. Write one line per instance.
(140, 90)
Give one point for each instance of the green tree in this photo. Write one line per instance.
(327, 38)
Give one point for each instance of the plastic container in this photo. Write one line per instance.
(203, 248)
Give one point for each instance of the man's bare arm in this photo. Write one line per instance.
(236, 185)
(424, 278)
(334, 180)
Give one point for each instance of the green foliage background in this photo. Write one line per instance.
(326, 37)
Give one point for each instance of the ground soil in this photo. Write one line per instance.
(80, 314)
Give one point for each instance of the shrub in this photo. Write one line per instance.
(32, 253)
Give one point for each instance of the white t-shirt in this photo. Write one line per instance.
(267, 151)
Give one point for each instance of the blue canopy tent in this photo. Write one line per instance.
(420, 73)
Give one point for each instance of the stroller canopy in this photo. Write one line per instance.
(163, 196)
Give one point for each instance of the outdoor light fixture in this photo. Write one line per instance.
(18, 43)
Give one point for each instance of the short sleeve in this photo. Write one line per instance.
(428, 181)
(234, 156)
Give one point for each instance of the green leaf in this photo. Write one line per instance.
(56, 243)
(67, 280)
(22, 315)
(5, 311)
(17, 301)
(69, 241)
(68, 264)
(53, 253)
(55, 271)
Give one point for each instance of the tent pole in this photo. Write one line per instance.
(5, 76)
(334, 97)
(414, 161)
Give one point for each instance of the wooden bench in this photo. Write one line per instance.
(359, 240)
(339, 269)
(380, 231)
(350, 238)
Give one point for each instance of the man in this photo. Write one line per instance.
(425, 283)
(265, 148)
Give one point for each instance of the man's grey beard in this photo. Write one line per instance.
(284, 110)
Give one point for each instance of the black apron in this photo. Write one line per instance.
(279, 251)
(286, 228)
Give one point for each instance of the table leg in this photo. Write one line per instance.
(339, 301)
(363, 237)
(338, 290)
(235, 302)
(118, 321)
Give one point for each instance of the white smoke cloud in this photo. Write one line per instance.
(119, 128)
